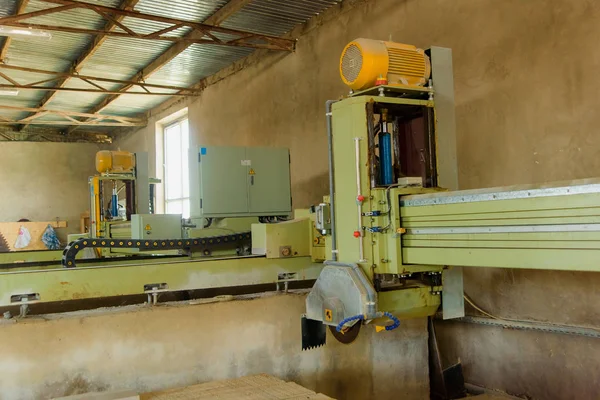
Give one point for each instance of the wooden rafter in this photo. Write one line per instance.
(39, 13)
(69, 118)
(95, 44)
(70, 121)
(119, 92)
(254, 40)
(226, 11)
(33, 116)
(87, 79)
(51, 134)
(174, 50)
(9, 79)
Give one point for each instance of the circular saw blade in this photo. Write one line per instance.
(348, 335)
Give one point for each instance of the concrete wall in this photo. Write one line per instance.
(145, 349)
(45, 181)
(526, 90)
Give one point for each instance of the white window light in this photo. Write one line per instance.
(24, 32)
(177, 181)
(9, 92)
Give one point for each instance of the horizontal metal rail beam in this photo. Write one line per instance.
(551, 227)
(507, 257)
(580, 186)
(64, 284)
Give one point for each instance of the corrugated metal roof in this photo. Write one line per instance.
(196, 10)
(131, 104)
(7, 7)
(76, 18)
(56, 54)
(60, 51)
(197, 62)
(123, 58)
(79, 101)
(276, 17)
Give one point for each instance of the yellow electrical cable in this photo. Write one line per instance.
(487, 314)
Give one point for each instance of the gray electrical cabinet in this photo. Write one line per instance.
(156, 226)
(242, 182)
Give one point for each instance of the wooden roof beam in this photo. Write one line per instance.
(65, 75)
(74, 114)
(208, 31)
(217, 18)
(86, 55)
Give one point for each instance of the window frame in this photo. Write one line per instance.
(183, 199)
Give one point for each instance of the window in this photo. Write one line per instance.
(177, 179)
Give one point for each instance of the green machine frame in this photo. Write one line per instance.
(398, 248)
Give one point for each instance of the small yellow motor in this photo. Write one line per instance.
(365, 62)
(114, 161)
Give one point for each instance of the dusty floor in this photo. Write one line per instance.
(257, 387)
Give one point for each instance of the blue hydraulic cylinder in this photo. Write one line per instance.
(385, 158)
(114, 203)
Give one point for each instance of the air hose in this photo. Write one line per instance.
(394, 319)
(360, 317)
(343, 322)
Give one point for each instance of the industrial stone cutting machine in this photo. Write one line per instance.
(386, 243)
(397, 239)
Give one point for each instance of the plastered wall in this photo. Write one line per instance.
(45, 181)
(526, 88)
(145, 349)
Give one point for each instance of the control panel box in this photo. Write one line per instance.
(156, 226)
(241, 182)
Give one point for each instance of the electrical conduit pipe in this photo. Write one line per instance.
(328, 115)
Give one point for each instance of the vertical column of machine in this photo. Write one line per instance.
(359, 201)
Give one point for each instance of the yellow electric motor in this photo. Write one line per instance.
(114, 161)
(366, 63)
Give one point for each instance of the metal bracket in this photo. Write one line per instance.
(24, 300)
(285, 277)
(153, 290)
